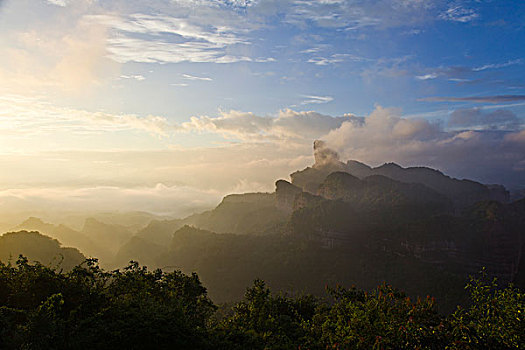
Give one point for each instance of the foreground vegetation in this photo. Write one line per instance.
(133, 308)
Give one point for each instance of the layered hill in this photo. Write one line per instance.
(37, 247)
(95, 239)
(461, 192)
(242, 214)
(346, 223)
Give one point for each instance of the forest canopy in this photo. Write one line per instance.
(135, 308)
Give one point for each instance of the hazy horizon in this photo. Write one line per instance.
(166, 107)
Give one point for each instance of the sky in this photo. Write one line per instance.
(168, 105)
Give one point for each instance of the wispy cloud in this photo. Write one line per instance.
(123, 49)
(157, 25)
(458, 13)
(427, 76)
(485, 99)
(193, 77)
(499, 119)
(265, 59)
(168, 39)
(25, 116)
(498, 65)
(311, 99)
(135, 77)
(459, 73)
(314, 49)
(352, 15)
(337, 58)
(61, 3)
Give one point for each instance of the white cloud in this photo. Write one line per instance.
(34, 116)
(385, 136)
(458, 13)
(302, 127)
(427, 76)
(316, 99)
(205, 36)
(126, 49)
(135, 77)
(182, 27)
(192, 77)
(61, 3)
(314, 49)
(497, 65)
(336, 58)
(352, 15)
(265, 59)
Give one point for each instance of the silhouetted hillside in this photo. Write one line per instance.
(37, 247)
(414, 227)
(461, 192)
(249, 213)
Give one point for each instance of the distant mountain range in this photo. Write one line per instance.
(334, 222)
(462, 193)
(347, 223)
(95, 239)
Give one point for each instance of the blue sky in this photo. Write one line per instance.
(133, 93)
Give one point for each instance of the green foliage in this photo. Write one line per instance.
(263, 321)
(91, 308)
(382, 319)
(494, 320)
(135, 308)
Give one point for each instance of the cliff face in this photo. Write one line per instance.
(285, 194)
(249, 213)
(418, 215)
(457, 225)
(377, 190)
(489, 234)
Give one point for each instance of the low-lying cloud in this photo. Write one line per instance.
(161, 199)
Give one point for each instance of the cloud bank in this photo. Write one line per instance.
(288, 126)
(178, 201)
(487, 145)
(482, 153)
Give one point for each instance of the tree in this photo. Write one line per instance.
(494, 319)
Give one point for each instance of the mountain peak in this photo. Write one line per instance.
(34, 223)
(391, 166)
